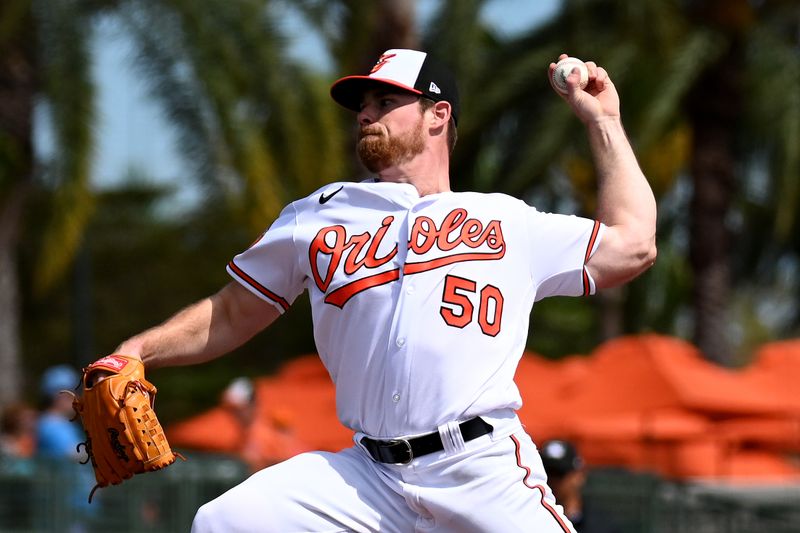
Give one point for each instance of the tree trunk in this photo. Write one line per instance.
(393, 25)
(17, 90)
(612, 316)
(81, 315)
(10, 308)
(714, 105)
(395, 28)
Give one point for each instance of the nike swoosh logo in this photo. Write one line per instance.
(323, 198)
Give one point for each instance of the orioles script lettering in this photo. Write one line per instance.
(458, 238)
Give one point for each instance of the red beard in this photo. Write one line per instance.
(379, 151)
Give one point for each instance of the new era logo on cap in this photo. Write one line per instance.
(408, 70)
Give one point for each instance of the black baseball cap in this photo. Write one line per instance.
(410, 70)
(560, 457)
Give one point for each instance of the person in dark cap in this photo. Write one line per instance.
(566, 476)
(421, 298)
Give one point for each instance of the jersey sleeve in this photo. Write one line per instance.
(270, 268)
(560, 247)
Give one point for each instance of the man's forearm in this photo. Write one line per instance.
(203, 331)
(624, 197)
(625, 205)
(181, 340)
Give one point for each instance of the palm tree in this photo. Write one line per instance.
(249, 116)
(221, 70)
(18, 86)
(31, 32)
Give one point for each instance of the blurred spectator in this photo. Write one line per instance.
(17, 438)
(239, 398)
(57, 436)
(57, 446)
(254, 431)
(566, 475)
(265, 440)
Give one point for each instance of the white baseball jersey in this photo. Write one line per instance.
(420, 305)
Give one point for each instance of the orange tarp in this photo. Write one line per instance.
(216, 430)
(776, 368)
(303, 395)
(653, 371)
(544, 385)
(653, 402)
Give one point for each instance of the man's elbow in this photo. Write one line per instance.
(642, 259)
(647, 255)
(636, 260)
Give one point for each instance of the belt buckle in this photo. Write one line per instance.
(410, 453)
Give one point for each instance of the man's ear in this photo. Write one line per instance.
(441, 113)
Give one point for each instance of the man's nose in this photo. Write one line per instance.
(366, 116)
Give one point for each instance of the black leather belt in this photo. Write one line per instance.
(402, 451)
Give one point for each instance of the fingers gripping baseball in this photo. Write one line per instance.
(591, 94)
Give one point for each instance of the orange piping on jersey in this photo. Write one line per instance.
(540, 488)
(257, 286)
(595, 230)
(340, 296)
(416, 268)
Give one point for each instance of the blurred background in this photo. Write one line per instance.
(143, 144)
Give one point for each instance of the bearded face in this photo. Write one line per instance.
(380, 149)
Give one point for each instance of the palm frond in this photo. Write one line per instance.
(13, 15)
(251, 113)
(698, 50)
(69, 89)
(773, 67)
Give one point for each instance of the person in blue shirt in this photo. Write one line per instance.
(58, 437)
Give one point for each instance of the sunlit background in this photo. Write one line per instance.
(143, 144)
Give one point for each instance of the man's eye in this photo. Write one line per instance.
(385, 102)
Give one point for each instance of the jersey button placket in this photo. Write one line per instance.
(401, 343)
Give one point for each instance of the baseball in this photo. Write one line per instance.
(564, 69)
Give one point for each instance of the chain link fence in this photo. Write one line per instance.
(642, 503)
(45, 497)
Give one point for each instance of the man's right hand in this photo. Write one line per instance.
(596, 102)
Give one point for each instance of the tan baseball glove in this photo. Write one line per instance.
(123, 435)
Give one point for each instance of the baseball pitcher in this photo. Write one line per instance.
(421, 298)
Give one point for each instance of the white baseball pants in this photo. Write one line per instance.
(490, 484)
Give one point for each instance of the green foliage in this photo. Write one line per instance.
(258, 130)
(145, 267)
(774, 114)
(69, 92)
(562, 326)
(239, 102)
